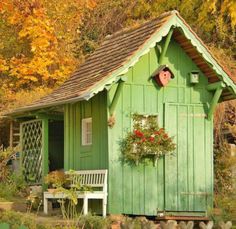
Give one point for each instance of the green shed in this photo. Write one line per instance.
(80, 125)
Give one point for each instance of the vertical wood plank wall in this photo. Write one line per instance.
(145, 189)
(80, 157)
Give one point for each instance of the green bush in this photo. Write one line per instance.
(137, 223)
(93, 222)
(18, 181)
(15, 186)
(224, 198)
(227, 205)
(16, 219)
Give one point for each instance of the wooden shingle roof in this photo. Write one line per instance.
(122, 50)
(113, 52)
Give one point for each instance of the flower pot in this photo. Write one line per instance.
(51, 190)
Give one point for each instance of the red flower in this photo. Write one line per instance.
(138, 133)
(165, 136)
(151, 139)
(156, 132)
(143, 139)
(162, 130)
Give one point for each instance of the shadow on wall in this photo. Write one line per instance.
(4, 132)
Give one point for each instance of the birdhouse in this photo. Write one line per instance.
(163, 75)
(194, 77)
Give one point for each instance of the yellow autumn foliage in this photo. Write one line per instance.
(48, 61)
(3, 65)
(43, 41)
(10, 99)
(224, 7)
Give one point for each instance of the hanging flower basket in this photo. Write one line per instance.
(146, 141)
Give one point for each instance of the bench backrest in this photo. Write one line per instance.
(92, 178)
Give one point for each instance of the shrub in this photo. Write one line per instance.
(16, 219)
(14, 186)
(224, 198)
(5, 156)
(137, 223)
(11, 184)
(56, 179)
(93, 222)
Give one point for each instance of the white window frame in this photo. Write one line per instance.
(85, 132)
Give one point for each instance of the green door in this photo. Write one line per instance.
(188, 172)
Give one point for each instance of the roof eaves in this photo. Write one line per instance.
(201, 48)
(17, 112)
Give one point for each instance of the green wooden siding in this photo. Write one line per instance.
(81, 157)
(146, 189)
(188, 185)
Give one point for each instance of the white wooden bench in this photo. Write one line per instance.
(92, 178)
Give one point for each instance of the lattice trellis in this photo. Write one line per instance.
(31, 133)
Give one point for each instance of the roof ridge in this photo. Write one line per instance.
(135, 27)
(126, 30)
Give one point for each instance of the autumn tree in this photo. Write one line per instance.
(214, 20)
(41, 33)
(42, 41)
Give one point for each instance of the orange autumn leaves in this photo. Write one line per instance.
(44, 34)
(44, 59)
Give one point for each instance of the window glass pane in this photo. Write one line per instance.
(87, 131)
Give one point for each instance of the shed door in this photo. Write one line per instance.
(188, 172)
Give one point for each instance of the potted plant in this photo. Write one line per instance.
(56, 179)
(146, 141)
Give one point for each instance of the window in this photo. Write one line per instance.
(142, 118)
(86, 131)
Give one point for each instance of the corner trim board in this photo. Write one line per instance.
(166, 45)
(116, 97)
(214, 101)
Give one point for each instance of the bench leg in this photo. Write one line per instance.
(104, 207)
(45, 205)
(85, 205)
